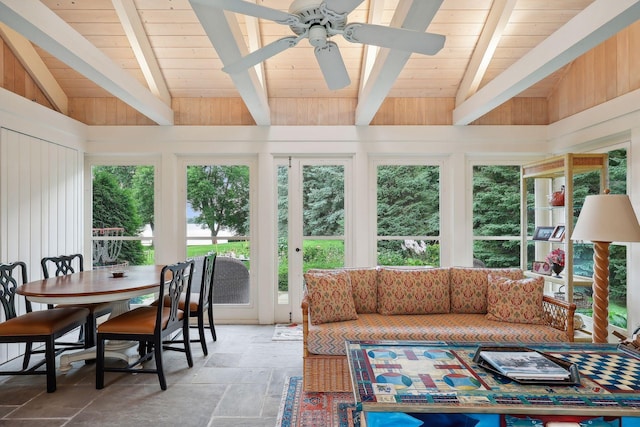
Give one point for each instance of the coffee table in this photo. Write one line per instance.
(436, 381)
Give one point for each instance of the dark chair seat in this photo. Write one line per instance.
(141, 320)
(200, 303)
(43, 322)
(151, 326)
(43, 326)
(69, 264)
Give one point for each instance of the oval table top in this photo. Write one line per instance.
(93, 286)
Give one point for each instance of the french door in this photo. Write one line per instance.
(312, 220)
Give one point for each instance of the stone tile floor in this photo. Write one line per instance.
(239, 383)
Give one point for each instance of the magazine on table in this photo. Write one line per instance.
(526, 365)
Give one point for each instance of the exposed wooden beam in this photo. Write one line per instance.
(139, 41)
(485, 48)
(410, 14)
(255, 43)
(225, 35)
(43, 27)
(596, 23)
(376, 7)
(29, 58)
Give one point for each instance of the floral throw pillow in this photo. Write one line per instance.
(469, 287)
(515, 301)
(364, 283)
(419, 291)
(330, 297)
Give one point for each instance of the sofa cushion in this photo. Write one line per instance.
(330, 297)
(364, 283)
(329, 338)
(469, 287)
(515, 301)
(413, 291)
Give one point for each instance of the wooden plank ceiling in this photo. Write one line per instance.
(165, 48)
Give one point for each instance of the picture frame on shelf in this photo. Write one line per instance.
(543, 233)
(541, 267)
(558, 234)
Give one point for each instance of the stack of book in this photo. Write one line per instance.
(526, 366)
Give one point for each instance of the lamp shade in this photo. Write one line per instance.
(607, 218)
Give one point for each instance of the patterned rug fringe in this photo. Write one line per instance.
(302, 409)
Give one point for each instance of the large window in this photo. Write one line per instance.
(123, 215)
(408, 214)
(583, 252)
(218, 220)
(496, 215)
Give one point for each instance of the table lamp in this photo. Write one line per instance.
(605, 218)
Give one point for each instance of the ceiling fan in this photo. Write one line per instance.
(318, 21)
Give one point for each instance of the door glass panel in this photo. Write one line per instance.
(283, 234)
(310, 203)
(323, 216)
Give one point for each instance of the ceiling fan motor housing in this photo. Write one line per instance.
(313, 14)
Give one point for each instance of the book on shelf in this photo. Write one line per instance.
(525, 365)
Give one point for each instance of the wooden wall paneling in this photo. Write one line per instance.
(15, 78)
(622, 62)
(588, 62)
(105, 111)
(634, 57)
(211, 112)
(9, 69)
(607, 71)
(600, 74)
(2, 56)
(611, 51)
(517, 111)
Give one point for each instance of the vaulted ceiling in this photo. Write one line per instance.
(146, 52)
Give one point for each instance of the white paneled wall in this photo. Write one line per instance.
(40, 205)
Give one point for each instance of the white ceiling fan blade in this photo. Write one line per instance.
(253, 9)
(395, 38)
(342, 6)
(332, 66)
(260, 55)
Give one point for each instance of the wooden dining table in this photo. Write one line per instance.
(93, 286)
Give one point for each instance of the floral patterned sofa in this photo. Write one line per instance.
(443, 304)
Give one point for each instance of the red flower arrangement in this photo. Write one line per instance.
(556, 256)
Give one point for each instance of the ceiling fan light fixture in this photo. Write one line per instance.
(317, 36)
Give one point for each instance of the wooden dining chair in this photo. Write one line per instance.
(69, 264)
(43, 326)
(201, 303)
(151, 326)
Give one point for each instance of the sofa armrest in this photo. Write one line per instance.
(559, 315)
(305, 323)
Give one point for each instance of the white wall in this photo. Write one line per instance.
(40, 198)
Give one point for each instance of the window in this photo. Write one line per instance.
(408, 215)
(218, 220)
(583, 252)
(496, 215)
(123, 215)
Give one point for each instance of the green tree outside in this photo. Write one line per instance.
(113, 206)
(220, 195)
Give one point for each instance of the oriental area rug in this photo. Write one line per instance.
(302, 409)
